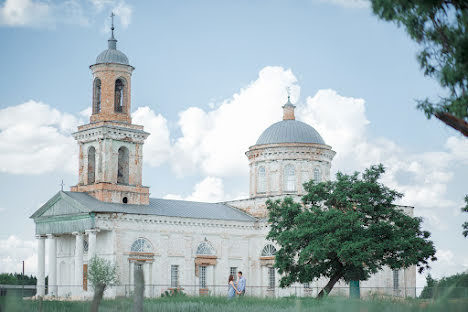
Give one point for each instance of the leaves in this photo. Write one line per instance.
(102, 272)
(347, 228)
(465, 225)
(439, 27)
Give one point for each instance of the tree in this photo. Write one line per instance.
(102, 273)
(440, 27)
(345, 229)
(447, 287)
(465, 225)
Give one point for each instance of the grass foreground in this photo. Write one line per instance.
(211, 304)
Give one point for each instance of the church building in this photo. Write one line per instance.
(185, 245)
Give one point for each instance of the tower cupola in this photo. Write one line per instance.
(111, 84)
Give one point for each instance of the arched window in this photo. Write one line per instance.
(317, 177)
(119, 95)
(206, 249)
(122, 170)
(97, 96)
(289, 178)
(261, 181)
(268, 251)
(91, 165)
(141, 245)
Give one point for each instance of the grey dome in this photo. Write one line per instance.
(112, 56)
(290, 131)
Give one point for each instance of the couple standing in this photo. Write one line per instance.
(236, 288)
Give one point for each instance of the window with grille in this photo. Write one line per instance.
(306, 285)
(268, 251)
(271, 277)
(174, 276)
(395, 280)
(289, 178)
(317, 177)
(205, 248)
(233, 271)
(261, 182)
(203, 277)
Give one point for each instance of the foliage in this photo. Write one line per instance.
(455, 286)
(440, 28)
(465, 225)
(247, 304)
(173, 293)
(345, 229)
(17, 279)
(102, 272)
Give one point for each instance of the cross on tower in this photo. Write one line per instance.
(112, 19)
(61, 184)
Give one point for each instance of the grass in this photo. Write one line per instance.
(212, 304)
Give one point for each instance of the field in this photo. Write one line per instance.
(211, 304)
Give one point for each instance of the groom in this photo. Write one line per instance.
(240, 284)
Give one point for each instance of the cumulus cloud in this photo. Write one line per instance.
(43, 13)
(157, 147)
(13, 251)
(210, 189)
(35, 138)
(35, 13)
(215, 141)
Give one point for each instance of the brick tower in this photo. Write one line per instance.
(111, 147)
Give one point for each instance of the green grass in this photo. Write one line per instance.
(212, 304)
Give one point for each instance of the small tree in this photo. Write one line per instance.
(345, 229)
(101, 273)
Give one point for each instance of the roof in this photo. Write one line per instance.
(290, 131)
(157, 206)
(112, 55)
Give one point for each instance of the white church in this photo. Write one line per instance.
(184, 245)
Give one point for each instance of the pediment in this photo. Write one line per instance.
(59, 205)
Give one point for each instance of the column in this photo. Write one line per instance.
(40, 266)
(78, 284)
(91, 244)
(52, 265)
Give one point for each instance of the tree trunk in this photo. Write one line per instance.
(139, 289)
(98, 293)
(326, 290)
(454, 122)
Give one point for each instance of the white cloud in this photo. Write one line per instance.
(120, 8)
(157, 147)
(35, 13)
(24, 12)
(43, 13)
(35, 138)
(209, 189)
(13, 251)
(348, 3)
(215, 141)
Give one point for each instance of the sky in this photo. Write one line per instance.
(210, 77)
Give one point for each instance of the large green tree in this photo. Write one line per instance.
(346, 230)
(440, 28)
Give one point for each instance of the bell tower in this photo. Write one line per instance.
(111, 147)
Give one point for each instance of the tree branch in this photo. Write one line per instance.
(456, 123)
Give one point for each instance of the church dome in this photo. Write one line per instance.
(290, 131)
(112, 56)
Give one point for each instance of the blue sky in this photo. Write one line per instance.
(210, 76)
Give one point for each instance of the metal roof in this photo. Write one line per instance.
(290, 131)
(112, 55)
(166, 207)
